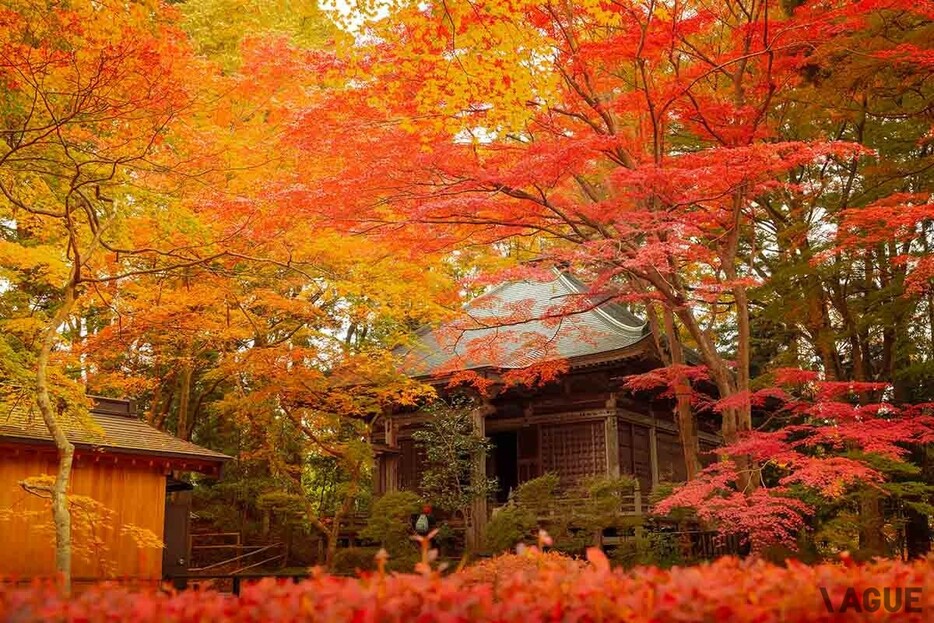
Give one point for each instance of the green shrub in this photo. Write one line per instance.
(518, 521)
(539, 495)
(573, 525)
(390, 523)
(601, 507)
(349, 560)
(453, 448)
(448, 541)
(509, 526)
(662, 549)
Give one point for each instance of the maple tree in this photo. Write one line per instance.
(669, 154)
(133, 259)
(91, 90)
(288, 333)
(219, 27)
(603, 178)
(827, 442)
(851, 301)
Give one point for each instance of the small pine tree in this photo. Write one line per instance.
(454, 451)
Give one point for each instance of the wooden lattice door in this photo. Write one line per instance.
(574, 451)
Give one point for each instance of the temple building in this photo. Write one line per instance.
(551, 359)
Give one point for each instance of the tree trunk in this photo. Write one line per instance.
(183, 429)
(743, 338)
(687, 425)
(818, 325)
(917, 534)
(353, 488)
(61, 516)
(918, 527)
(154, 406)
(742, 417)
(871, 539)
(331, 549)
(735, 420)
(159, 420)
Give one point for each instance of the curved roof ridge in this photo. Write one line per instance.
(613, 312)
(602, 327)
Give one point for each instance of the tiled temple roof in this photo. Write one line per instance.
(522, 323)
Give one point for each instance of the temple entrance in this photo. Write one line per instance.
(516, 458)
(503, 464)
(529, 453)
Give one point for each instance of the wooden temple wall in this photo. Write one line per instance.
(575, 428)
(574, 446)
(132, 491)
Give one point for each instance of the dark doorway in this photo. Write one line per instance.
(177, 514)
(529, 453)
(504, 464)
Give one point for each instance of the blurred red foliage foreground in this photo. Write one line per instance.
(540, 588)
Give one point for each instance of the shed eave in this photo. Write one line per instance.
(25, 440)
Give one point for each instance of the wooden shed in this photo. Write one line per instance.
(121, 481)
(581, 424)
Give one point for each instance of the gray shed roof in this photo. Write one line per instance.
(522, 323)
(118, 429)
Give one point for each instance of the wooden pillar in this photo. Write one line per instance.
(612, 438)
(612, 446)
(653, 454)
(479, 509)
(391, 460)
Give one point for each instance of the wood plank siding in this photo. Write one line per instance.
(134, 490)
(635, 456)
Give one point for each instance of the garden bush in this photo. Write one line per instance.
(660, 549)
(390, 527)
(351, 560)
(572, 520)
(508, 566)
(521, 589)
(509, 526)
(390, 522)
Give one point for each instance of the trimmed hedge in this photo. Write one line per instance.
(548, 589)
(527, 565)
